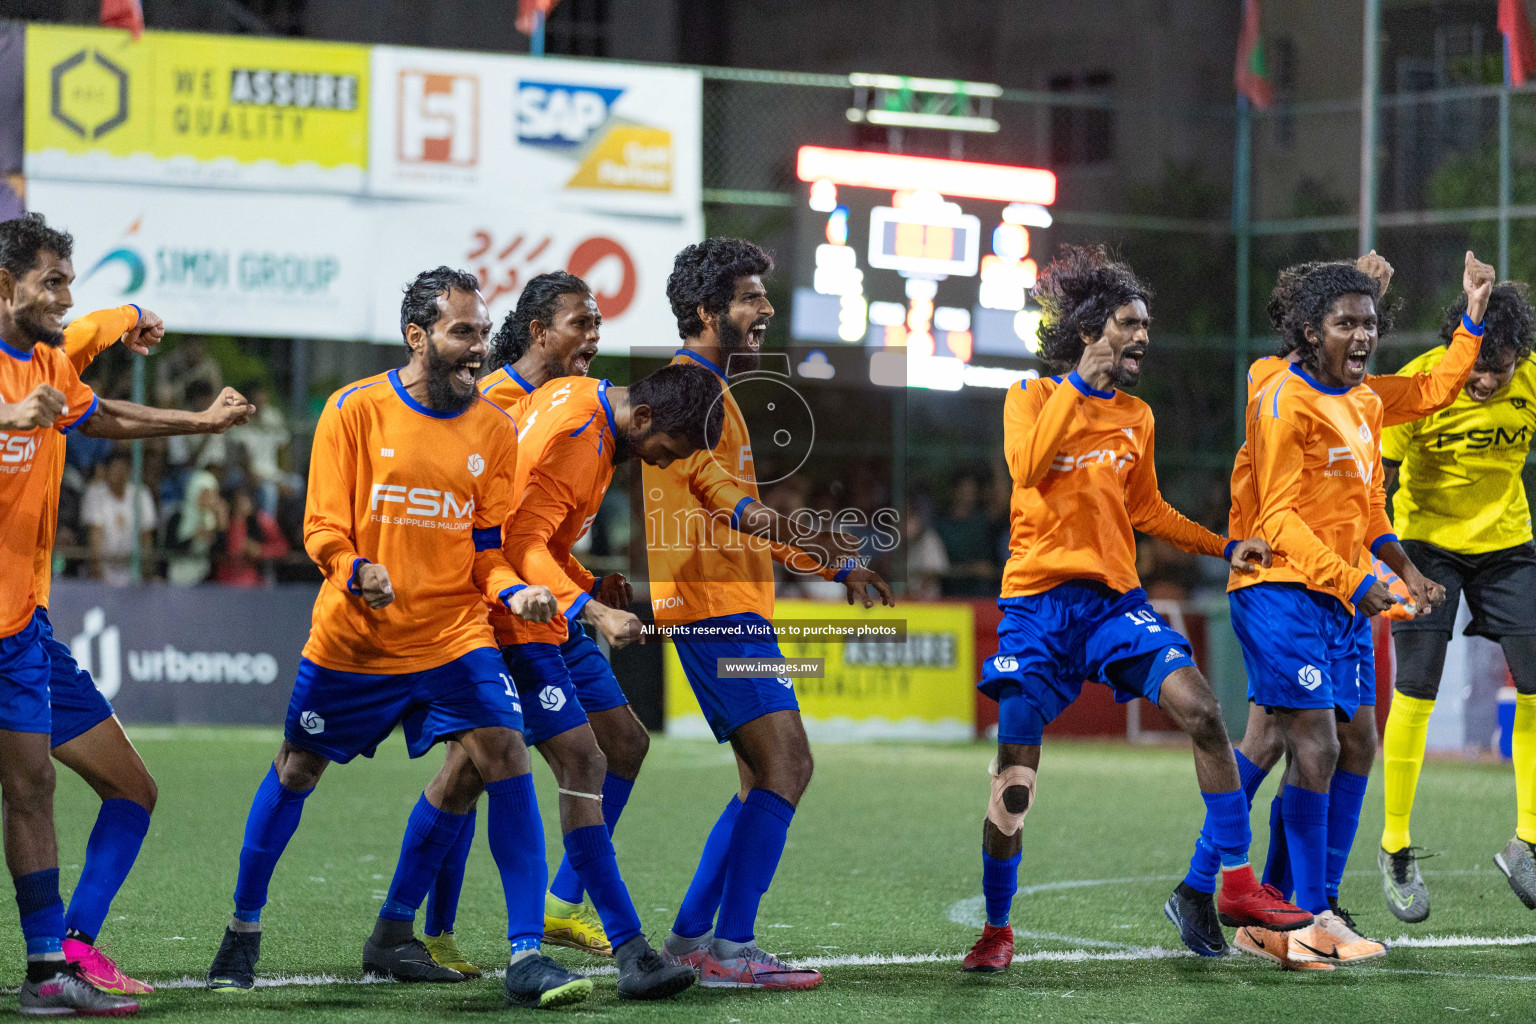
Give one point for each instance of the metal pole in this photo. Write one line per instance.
(1242, 173)
(1370, 87)
(536, 41)
(136, 558)
(1506, 175)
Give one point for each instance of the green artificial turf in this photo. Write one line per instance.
(882, 863)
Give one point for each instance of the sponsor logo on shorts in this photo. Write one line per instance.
(1309, 677)
(551, 698)
(311, 722)
(1004, 663)
(1174, 654)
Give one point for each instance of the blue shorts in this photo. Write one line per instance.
(24, 670)
(1365, 658)
(551, 705)
(728, 704)
(339, 715)
(1048, 644)
(1299, 647)
(78, 706)
(596, 684)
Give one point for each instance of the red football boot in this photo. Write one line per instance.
(1244, 903)
(992, 953)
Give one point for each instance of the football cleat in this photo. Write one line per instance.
(574, 926)
(992, 953)
(1519, 867)
(99, 970)
(1329, 939)
(538, 983)
(234, 965)
(408, 961)
(445, 950)
(68, 994)
(1260, 906)
(643, 974)
(1273, 946)
(1193, 913)
(1407, 895)
(679, 949)
(751, 967)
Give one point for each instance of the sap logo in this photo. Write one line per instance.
(1003, 663)
(1067, 463)
(560, 116)
(18, 447)
(311, 723)
(1309, 677)
(422, 501)
(551, 698)
(439, 119)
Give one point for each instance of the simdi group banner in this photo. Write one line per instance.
(922, 687)
(247, 263)
(593, 135)
(183, 108)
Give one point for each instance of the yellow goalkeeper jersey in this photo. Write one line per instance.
(1460, 486)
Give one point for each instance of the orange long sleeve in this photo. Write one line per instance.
(1152, 515)
(1034, 426)
(90, 335)
(1405, 399)
(558, 490)
(329, 531)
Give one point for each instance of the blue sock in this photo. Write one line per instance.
(757, 842)
(429, 834)
(517, 845)
(1345, 797)
(109, 855)
(999, 881)
(1207, 859)
(1306, 837)
(443, 897)
(616, 789)
(1277, 863)
(697, 913)
(42, 911)
(273, 819)
(1226, 815)
(590, 852)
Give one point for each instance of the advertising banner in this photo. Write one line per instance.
(249, 263)
(919, 688)
(579, 134)
(163, 654)
(625, 260)
(182, 108)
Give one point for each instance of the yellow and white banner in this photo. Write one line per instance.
(536, 131)
(188, 109)
(921, 688)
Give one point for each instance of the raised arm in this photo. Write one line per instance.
(90, 335)
(1034, 424)
(1408, 398)
(124, 420)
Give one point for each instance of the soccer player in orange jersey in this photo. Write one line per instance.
(41, 395)
(715, 590)
(1316, 493)
(1080, 450)
(574, 433)
(410, 483)
(1403, 399)
(554, 332)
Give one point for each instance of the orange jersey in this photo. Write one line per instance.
(1403, 400)
(1083, 481)
(423, 494)
(566, 438)
(507, 388)
(1316, 483)
(85, 338)
(28, 479)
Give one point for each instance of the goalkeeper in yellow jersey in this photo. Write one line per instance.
(1461, 512)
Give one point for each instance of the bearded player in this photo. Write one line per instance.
(409, 487)
(1080, 450)
(1462, 512)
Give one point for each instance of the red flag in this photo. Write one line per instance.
(126, 14)
(1519, 43)
(1252, 78)
(526, 9)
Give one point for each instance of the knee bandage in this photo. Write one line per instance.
(998, 814)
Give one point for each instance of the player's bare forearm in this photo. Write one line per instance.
(122, 421)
